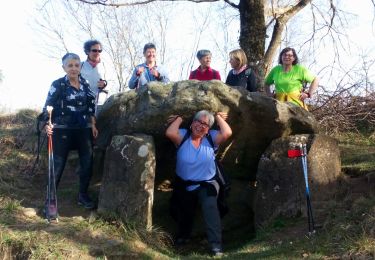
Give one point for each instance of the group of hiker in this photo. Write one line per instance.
(77, 98)
(240, 75)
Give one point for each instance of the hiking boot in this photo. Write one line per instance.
(50, 209)
(217, 253)
(85, 201)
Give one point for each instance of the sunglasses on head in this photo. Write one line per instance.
(95, 50)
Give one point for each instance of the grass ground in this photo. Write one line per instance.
(348, 229)
(358, 153)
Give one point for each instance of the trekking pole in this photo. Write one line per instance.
(40, 144)
(51, 208)
(96, 101)
(101, 97)
(310, 217)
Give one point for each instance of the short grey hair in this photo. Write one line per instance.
(69, 56)
(205, 113)
(203, 53)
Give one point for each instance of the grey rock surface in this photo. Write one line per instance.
(127, 188)
(255, 119)
(281, 186)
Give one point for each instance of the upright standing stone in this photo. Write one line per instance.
(281, 186)
(127, 186)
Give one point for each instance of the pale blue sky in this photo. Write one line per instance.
(28, 73)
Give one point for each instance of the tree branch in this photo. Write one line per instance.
(278, 30)
(230, 3)
(295, 9)
(109, 3)
(275, 12)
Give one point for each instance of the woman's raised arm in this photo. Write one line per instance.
(225, 130)
(172, 131)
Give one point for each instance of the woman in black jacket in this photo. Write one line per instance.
(72, 125)
(240, 75)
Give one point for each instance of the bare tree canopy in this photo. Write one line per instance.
(122, 33)
(261, 28)
(263, 23)
(121, 3)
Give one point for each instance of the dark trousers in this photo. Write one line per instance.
(206, 196)
(65, 140)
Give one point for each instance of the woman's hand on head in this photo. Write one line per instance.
(225, 130)
(172, 131)
(223, 115)
(173, 118)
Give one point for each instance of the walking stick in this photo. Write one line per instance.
(40, 144)
(51, 207)
(100, 98)
(310, 217)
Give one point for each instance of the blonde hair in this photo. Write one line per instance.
(239, 55)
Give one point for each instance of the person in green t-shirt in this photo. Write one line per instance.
(289, 77)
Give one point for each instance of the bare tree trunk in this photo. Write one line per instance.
(253, 29)
(253, 35)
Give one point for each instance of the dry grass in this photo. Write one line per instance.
(30, 237)
(348, 230)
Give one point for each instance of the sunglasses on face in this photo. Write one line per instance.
(95, 50)
(204, 124)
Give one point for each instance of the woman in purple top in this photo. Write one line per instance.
(196, 166)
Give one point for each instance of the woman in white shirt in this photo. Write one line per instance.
(93, 71)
